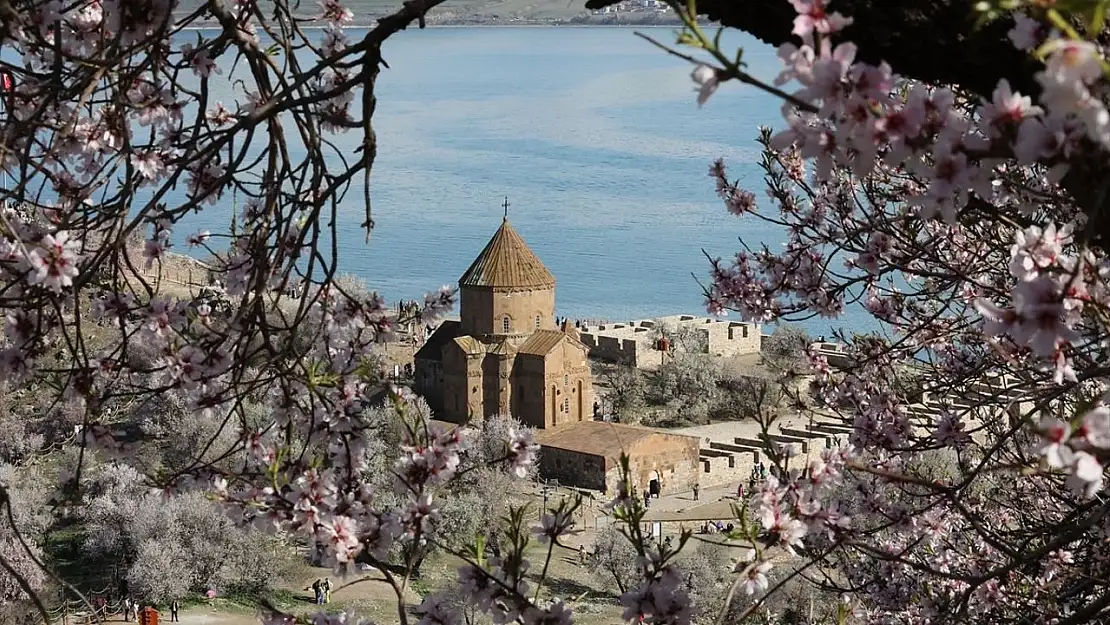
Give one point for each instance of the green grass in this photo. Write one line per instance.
(63, 554)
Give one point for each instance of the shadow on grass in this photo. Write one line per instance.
(563, 587)
(284, 597)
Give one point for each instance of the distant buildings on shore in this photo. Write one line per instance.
(635, 6)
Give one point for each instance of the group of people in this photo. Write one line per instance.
(716, 527)
(758, 474)
(321, 588)
(131, 609)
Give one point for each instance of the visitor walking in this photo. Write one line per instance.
(173, 612)
(582, 555)
(327, 590)
(127, 608)
(647, 500)
(695, 492)
(317, 592)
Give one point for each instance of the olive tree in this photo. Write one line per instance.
(687, 384)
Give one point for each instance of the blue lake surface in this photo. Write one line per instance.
(592, 133)
(594, 136)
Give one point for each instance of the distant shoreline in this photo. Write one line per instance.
(488, 24)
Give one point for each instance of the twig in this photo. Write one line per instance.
(732, 71)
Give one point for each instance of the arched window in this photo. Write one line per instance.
(505, 324)
(537, 322)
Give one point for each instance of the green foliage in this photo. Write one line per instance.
(785, 348)
(991, 10)
(1061, 13)
(169, 548)
(613, 560)
(688, 383)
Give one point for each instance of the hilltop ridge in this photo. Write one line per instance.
(499, 12)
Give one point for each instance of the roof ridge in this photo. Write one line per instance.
(507, 261)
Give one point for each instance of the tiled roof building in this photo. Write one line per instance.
(505, 355)
(507, 262)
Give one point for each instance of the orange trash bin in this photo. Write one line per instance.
(148, 616)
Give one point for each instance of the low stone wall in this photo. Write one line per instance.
(724, 471)
(612, 349)
(631, 343)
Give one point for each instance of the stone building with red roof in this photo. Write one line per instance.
(506, 355)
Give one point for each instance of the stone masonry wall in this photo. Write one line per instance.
(733, 338)
(611, 349)
(631, 343)
(484, 311)
(723, 471)
(674, 457)
(574, 468)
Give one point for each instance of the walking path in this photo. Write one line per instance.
(713, 504)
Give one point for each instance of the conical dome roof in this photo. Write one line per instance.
(507, 262)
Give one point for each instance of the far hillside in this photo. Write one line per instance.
(478, 11)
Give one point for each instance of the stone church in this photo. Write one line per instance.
(506, 355)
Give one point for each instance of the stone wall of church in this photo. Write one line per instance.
(569, 386)
(462, 387)
(574, 469)
(429, 382)
(496, 386)
(487, 311)
(489, 388)
(529, 402)
(674, 457)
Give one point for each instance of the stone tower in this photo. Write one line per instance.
(505, 355)
(507, 293)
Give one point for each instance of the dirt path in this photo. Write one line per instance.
(198, 617)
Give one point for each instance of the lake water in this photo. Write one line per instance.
(594, 136)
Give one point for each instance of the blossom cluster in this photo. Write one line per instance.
(942, 156)
(803, 503)
(944, 219)
(107, 169)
